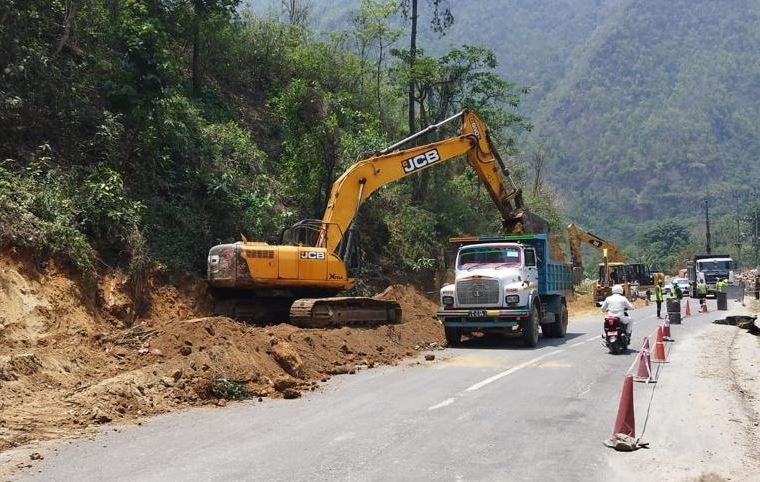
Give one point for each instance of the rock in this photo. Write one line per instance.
(380, 349)
(282, 383)
(156, 351)
(185, 350)
(19, 365)
(167, 381)
(429, 357)
(285, 356)
(290, 393)
(100, 416)
(209, 330)
(177, 374)
(221, 402)
(36, 456)
(338, 370)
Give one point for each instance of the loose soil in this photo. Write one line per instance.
(73, 358)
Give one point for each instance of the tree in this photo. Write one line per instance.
(663, 243)
(203, 10)
(371, 29)
(440, 21)
(297, 11)
(464, 77)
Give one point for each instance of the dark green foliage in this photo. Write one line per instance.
(662, 245)
(146, 131)
(223, 388)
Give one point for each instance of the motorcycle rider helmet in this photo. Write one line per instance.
(617, 290)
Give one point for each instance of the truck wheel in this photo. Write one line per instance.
(530, 328)
(453, 335)
(560, 327)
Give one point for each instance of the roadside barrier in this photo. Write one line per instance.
(659, 348)
(625, 422)
(624, 431)
(688, 309)
(644, 367)
(666, 330)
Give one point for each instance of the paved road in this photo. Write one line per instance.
(480, 412)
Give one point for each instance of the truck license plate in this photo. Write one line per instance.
(478, 313)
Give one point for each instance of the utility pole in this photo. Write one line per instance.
(738, 242)
(757, 241)
(707, 225)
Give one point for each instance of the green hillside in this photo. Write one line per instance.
(644, 106)
(663, 106)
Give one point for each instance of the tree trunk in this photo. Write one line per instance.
(412, 56)
(71, 12)
(378, 76)
(196, 55)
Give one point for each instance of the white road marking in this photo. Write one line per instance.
(510, 371)
(515, 368)
(444, 403)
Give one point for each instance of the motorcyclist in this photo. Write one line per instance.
(617, 305)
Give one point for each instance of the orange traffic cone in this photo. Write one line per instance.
(644, 368)
(666, 330)
(659, 348)
(625, 422)
(688, 308)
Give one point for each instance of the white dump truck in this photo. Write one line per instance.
(508, 284)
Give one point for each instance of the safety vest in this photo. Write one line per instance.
(719, 286)
(658, 293)
(701, 288)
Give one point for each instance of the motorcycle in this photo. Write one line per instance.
(615, 335)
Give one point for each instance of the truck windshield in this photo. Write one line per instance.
(472, 257)
(715, 265)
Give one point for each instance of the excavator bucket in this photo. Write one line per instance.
(524, 221)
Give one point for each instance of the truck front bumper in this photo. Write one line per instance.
(494, 318)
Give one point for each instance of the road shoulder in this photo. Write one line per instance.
(702, 423)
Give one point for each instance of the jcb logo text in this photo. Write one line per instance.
(418, 162)
(312, 255)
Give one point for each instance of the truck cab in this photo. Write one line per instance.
(711, 269)
(506, 284)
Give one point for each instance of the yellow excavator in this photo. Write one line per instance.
(612, 270)
(297, 276)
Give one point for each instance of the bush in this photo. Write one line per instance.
(221, 387)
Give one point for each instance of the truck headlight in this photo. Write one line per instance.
(512, 299)
(447, 300)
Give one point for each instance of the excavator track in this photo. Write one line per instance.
(347, 311)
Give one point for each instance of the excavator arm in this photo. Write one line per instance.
(392, 164)
(577, 237)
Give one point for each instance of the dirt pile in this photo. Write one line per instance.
(74, 357)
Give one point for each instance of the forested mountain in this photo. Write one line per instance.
(663, 106)
(147, 130)
(643, 106)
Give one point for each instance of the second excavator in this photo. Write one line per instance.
(297, 277)
(612, 270)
